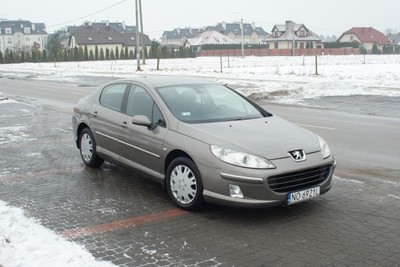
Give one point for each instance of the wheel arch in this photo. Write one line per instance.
(78, 132)
(173, 155)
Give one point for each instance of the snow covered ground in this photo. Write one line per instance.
(23, 242)
(280, 79)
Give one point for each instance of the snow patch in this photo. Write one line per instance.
(23, 242)
(6, 100)
(12, 134)
(279, 79)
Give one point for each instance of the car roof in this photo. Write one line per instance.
(164, 80)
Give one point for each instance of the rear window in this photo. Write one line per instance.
(113, 95)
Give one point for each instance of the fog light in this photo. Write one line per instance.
(234, 191)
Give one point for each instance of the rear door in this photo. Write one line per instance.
(106, 118)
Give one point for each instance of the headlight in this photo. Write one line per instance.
(241, 159)
(326, 152)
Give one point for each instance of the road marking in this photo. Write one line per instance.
(30, 142)
(120, 224)
(315, 126)
(43, 89)
(40, 174)
(82, 94)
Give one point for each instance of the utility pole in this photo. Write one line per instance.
(137, 37)
(293, 42)
(141, 35)
(241, 23)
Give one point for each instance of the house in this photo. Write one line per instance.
(207, 38)
(367, 37)
(251, 33)
(395, 39)
(65, 34)
(22, 36)
(177, 37)
(293, 36)
(111, 36)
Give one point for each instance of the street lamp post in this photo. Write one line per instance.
(241, 32)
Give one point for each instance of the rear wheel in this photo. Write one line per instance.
(184, 184)
(87, 149)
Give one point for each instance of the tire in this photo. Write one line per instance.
(87, 149)
(184, 184)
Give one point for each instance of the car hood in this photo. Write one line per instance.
(270, 137)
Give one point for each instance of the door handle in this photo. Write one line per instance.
(124, 124)
(95, 114)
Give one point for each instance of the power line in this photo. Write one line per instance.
(91, 14)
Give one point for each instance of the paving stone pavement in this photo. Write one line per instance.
(121, 217)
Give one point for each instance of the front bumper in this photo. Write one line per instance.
(254, 183)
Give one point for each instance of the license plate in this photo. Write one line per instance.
(295, 197)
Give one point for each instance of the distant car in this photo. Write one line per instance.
(203, 141)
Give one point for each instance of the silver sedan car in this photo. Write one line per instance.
(203, 141)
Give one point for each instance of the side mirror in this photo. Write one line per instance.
(143, 121)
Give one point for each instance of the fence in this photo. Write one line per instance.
(262, 52)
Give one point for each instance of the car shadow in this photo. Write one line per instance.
(132, 186)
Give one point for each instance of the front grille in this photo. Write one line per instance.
(299, 180)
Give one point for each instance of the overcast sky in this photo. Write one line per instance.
(320, 16)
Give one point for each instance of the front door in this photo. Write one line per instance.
(142, 147)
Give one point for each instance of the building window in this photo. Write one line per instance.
(302, 45)
(27, 30)
(351, 38)
(301, 33)
(276, 33)
(8, 31)
(27, 39)
(276, 45)
(9, 40)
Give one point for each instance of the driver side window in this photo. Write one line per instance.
(141, 103)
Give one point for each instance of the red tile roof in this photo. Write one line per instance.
(368, 35)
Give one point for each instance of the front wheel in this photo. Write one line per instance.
(87, 149)
(184, 184)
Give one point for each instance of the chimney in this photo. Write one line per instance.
(178, 30)
(123, 25)
(33, 26)
(253, 25)
(224, 25)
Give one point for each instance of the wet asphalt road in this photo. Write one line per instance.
(121, 217)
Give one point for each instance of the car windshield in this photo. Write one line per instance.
(199, 103)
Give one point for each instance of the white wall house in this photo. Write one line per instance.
(22, 35)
